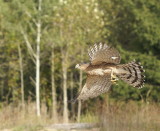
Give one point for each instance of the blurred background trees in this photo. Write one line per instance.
(56, 34)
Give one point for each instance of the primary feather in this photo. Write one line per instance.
(102, 54)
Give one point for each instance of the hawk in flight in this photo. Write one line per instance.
(104, 69)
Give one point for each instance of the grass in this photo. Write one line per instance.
(131, 117)
(16, 119)
(113, 116)
(89, 118)
(28, 128)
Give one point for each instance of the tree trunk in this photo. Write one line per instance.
(38, 61)
(54, 100)
(64, 73)
(80, 87)
(72, 97)
(21, 76)
(79, 101)
(2, 90)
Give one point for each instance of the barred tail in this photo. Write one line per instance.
(133, 76)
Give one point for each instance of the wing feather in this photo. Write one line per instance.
(102, 54)
(95, 85)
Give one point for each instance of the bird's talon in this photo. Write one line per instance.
(114, 79)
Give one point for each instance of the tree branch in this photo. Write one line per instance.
(30, 49)
(28, 14)
(33, 81)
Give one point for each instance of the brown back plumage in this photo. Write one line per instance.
(134, 76)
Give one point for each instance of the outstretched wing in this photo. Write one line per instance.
(103, 53)
(95, 85)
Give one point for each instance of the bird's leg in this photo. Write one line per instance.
(113, 77)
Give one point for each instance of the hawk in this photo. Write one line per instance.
(104, 69)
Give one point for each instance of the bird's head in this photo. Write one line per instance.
(82, 66)
(77, 66)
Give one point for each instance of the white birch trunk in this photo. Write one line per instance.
(21, 76)
(64, 73)
(38, 62)
(54, 100)
(38, 71)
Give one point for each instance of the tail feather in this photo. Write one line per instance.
(134, 74)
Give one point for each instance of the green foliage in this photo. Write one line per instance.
(134, 24)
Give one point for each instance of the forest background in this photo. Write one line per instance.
(41, 41)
